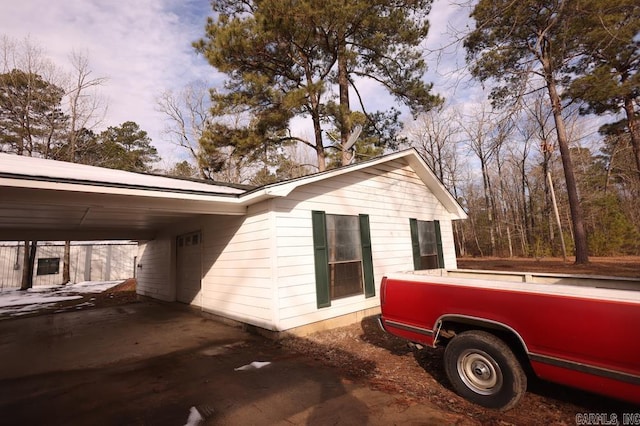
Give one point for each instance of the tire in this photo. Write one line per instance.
(484, 370)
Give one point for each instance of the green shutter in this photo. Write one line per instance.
(439, 244)
(320, 254)
(415, 243)
(367, 258)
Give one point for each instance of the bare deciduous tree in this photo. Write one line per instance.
(188, 114)
(86, 108)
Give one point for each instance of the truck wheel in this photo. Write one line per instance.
(484, 370)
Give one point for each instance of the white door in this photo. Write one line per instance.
(189, 268)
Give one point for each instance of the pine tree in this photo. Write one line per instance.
(285, 59)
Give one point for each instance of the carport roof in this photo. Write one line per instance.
(43, 170)
(53, 200)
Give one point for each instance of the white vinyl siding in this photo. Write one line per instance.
(155, 273)
(189, 268)
(237, 267)
(390, 194)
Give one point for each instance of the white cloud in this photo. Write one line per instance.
(143, 47)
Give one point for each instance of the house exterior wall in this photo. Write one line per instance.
(391, 194)
(259, 268)
(237, 266)
(155, 269)
(88, 262)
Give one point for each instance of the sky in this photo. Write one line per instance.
(143, 48)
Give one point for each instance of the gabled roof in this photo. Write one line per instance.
(54, 200)
(411, 156)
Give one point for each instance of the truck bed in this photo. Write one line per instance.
(590, 286)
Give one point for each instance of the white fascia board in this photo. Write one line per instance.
(39, 169)
(100, 189)
(433, 183)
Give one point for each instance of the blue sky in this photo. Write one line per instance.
(144, 48)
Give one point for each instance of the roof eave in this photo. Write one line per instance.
(433, 183)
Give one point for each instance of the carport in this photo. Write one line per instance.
(52, 200)
(150, 363)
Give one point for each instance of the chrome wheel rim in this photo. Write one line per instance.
(479, 372)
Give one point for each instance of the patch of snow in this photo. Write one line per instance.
(18, 302)
(20, 298)
(92, 286)
(194, 417)
(253, 366)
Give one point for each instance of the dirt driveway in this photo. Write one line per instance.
(149, 364)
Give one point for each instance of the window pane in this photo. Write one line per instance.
(345, 256)
(345, 279)
(48, 266)
(427, 238)
(343, 238)
(429, 262)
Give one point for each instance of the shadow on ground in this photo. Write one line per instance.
(148, 364)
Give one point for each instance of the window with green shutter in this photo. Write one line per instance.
(343, 258)
(426, 241)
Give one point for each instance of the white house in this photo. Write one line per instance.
(292, 256)
(307, 250)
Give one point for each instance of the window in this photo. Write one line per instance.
(427, 244)
(343, 262)
(48, 266)
(191, 239)
(345, 255)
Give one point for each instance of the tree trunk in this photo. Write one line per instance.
(66, 263)
(634, 131)
(25, 266)
(30, 248)
(317, 130)
(580, 236)
(460, 239)
(314, 99)
(488, 204)
(344, 119)
(526, 234)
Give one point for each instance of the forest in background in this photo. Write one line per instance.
(533, 177)
(504, 169)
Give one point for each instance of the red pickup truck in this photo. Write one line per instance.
(494, 326)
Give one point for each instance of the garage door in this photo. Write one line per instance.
(189, 268)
